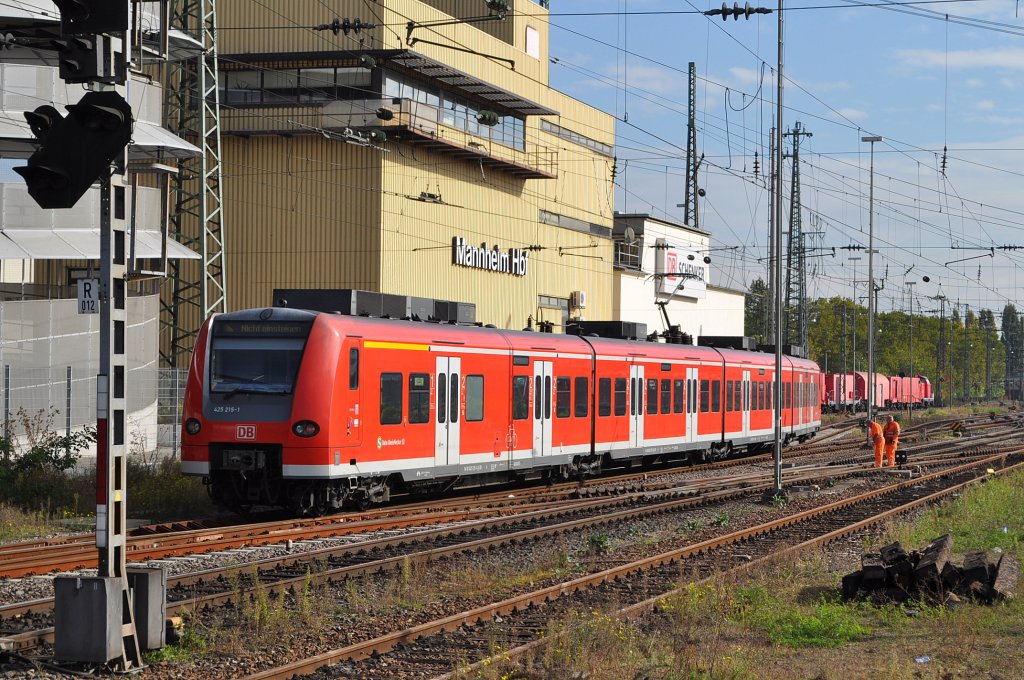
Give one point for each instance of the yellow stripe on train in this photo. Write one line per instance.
(376, 344)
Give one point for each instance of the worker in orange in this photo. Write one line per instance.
(875, 439)
(891, 434)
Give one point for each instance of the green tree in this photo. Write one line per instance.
(755, 310)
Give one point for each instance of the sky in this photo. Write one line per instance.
(941, 82)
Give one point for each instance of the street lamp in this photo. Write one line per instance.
(871, 277)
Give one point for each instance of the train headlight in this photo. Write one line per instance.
(192, 426)
(305, 428)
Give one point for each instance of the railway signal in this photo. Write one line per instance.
(75, 150)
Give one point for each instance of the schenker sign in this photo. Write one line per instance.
(514, 261)
(681, 272)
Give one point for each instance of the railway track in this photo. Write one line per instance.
(27, 625)
(174, 539)
(433, 649)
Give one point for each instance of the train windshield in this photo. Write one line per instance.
(256, 358)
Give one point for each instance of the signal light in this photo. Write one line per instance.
(89, 17)
(75, 150)
(80, 60)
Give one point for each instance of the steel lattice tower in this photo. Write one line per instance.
(690, 217)
(192, 112)
(796, 254)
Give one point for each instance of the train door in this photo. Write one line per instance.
(746, 403)
(691, 404)
(636, 406)
(447, 403)
(353, 427)
(542, 408)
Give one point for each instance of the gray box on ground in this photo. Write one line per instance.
(87, 618)
(149, 598)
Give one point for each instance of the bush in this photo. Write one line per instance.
(32, 472)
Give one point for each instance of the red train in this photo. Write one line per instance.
(313, 411)
(848, 391)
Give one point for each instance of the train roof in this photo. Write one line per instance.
(502, 339)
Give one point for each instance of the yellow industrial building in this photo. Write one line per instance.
(415, 148)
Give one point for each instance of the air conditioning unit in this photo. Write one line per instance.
(578, 299)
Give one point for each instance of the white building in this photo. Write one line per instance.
(663, 268)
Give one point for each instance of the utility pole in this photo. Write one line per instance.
(871, 277)
(966, 379)
(855, 260)
(941, 354)
(842, 380)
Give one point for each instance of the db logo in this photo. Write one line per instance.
(245, 432)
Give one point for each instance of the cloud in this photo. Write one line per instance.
(1006, 59)
(985, 105)
(974, 82)
(853, 114)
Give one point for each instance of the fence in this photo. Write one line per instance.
(49, 359)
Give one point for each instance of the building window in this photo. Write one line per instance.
(533, 42)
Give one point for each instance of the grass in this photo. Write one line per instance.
(19, 525)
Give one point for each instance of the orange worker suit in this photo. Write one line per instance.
(876, 439)
(891, 434)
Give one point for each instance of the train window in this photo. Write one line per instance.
(768, 387)
(442, 397)
(789, 395)
(547, 397)
(632, 396)
(563, 397)
(652, 396)
(705, 393)
(677, 396)
(419, 398)
(762, 387)
(390, 398)
(604, 397)
(520, 397)
(737, 402)
(666, 395)
(474, 398)
(537, 394)
(353, 368)
(582, 393)
(520, 360)
(666, 367)
(716, 396)
(728, 395)
(620, 397)
(453, 399)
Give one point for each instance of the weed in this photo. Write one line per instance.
(599, 544)
(721, 519)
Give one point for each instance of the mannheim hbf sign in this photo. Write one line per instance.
(514, 261)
